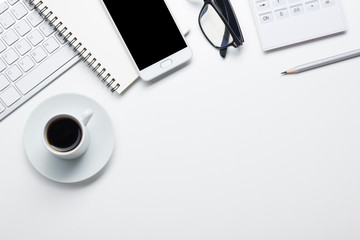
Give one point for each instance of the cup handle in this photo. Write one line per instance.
(87, 116)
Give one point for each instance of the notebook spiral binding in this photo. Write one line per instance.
(76, 44)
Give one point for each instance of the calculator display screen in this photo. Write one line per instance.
(147, 28)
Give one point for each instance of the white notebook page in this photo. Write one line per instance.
(90, 24)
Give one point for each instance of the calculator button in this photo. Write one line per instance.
(328, 3)
(266, 17)
(312, 6)
(263, 5)
(281, 14)
(297, 10)
(278, 3)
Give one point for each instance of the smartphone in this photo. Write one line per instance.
(151, 35)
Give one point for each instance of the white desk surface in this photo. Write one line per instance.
(221, 149)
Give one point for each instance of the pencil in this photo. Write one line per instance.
(322, 62)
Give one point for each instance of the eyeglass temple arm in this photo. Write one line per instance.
(227, 12)
(226, 36)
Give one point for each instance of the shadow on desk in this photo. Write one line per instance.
(76, 185)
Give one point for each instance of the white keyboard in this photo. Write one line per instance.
(32, 54)
(284, 22)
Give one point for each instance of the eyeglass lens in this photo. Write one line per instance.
(214, 28)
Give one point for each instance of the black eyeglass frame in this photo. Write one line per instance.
(237, 40)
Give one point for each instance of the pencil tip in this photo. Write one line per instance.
(284, 73)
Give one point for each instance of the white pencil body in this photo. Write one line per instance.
(323, 62)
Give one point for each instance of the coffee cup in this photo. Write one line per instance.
(66, 136)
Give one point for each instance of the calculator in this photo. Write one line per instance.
(285, 22)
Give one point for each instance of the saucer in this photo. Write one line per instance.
(102, 140)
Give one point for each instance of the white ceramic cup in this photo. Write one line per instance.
(79, 146)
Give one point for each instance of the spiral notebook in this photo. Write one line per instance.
(86, 27)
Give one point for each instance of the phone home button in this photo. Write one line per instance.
(166, 63)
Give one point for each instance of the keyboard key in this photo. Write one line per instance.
(31, 56)
(26, 63)
(34, 18)
(22, 27)
(12, 2)
(2, 108)
(10, 56)
(19, 11)
(51, 45)
(10, 37)
(38, 54)
(22, 46)
(2, 65)
(47, 29)
(13, 73)
(6, 20)
(3, 7)
(28, 5)
(2, 46)
(3, 82)
(38, 74)
(35, 37)
(60, 38)
(10, 96)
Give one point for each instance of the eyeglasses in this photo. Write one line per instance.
(218, 22)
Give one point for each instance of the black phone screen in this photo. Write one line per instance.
(147, 28)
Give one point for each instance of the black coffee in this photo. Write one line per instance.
(64, 134)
